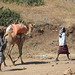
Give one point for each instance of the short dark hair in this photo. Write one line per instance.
(64, 29)
(2, 34)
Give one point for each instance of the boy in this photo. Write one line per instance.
(63, 48)
(2, 48)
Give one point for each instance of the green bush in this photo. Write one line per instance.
(29, 2)
(8, 17)
(34, 2)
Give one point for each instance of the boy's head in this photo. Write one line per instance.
(64, 30)
(1, 34)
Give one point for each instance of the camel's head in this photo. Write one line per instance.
(30, 29)
(31, 26)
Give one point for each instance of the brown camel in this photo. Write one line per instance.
(12, 40)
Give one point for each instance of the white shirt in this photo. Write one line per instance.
(8, 28)
(62, 40)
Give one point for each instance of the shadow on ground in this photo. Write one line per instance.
(17, 69)
(34, 62)
(73, 59)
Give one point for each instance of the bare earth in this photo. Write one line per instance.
(39, 55)
(41, 66)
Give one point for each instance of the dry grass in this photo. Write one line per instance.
(57, 12)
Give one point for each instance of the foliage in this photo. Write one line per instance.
(29, 2)
(7, 16)
(73, 26)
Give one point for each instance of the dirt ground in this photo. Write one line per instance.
(39, 56)
(41, 66)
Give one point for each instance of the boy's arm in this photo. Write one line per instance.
(5, 41)
(2, 43)
(3, 46)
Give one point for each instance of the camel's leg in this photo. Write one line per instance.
(5, 64)
(20, 45)
(20, 54)
(9, 52)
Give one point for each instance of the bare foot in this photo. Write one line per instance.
(57, 59)
(0, 70)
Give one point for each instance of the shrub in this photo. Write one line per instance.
(29, 2)
(7, 17)
(73, 26)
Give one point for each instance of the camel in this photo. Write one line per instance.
(12, 40)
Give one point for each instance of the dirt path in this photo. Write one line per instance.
(39, 66)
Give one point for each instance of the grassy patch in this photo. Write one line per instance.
(29, 2)
(8, 16)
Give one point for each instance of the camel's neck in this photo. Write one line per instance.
(29, 30)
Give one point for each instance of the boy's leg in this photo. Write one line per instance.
(0, 67)
(68, 56)
(3, 59)
(0, 62)
(57, 57)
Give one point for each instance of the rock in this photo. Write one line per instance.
(52, 65)
(69, 72)
(56, 63)
(67, 63)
